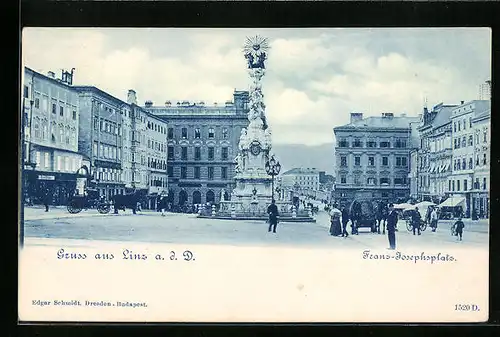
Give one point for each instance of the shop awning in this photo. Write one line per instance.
(433, 166)
(446, 167)
(441, 168)
(452, 202)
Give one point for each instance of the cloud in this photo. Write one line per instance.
(314, 79)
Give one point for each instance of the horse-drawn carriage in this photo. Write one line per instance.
(90, 199)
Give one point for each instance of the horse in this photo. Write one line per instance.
(382, 213)
(354, 216)
(130, 200)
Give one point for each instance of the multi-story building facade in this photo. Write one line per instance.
(480, 188)
(372, 158)
(414, 146)
(461, 181)
(435, 153)
(51, 129)
(101, 138)
(202, 142)
(304, 181)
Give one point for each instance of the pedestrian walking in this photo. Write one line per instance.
(162, 205)
(335, 228)
(272, 211)
(392, 221)
(459, 228)
(345, 220)
(47, 199)
(416, 219)
(434, 219)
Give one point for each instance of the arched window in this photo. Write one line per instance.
(37, 129)
(183, 197)
(196, 197)
(210, 196)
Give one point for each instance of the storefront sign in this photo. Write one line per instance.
(41, 177)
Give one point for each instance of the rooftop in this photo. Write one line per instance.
(376, 122)
(301, 170)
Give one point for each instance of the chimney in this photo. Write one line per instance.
(461, 102)
(148, 104)
(356, 116)
(403, 114)
(387, 115)
(168, 103)
(131, 97)
(51, 74)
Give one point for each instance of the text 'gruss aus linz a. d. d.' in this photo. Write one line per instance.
(398, 256)
(126, 254)
(88, 303)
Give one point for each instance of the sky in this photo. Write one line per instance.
(314, 77)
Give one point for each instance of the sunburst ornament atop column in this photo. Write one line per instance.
(255, 50)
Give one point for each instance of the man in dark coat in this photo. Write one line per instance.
(415, 220)
(47, 198)
(392, 221)
(459, 228)
(345, 220)
(272, 211)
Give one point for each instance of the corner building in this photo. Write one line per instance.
(202, 142)
(51, 124)
(372, 158)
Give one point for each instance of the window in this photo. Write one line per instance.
(210, 173)
(470, 122)
(61, 111)
(484, 183)
(398, 161)
(465, 183)
(458, 124)
(211, 133)
(370, 181)
(464, 141)
(37, 158)
(343, 179)
(183, 172)
(470, 163)
(399, 181)
(223, 173)
(465, 125)
(343, 161)
(224, 153)
(477, 160)
(453, 185)
(343, 143)
(37, 103)
(471, 140)
(58, 159)
(357, 143)
(37, 130)
(170, 134)
(170, 152)
(170, 171)
(46, 160)
(484, 158)
(454, 126)
(197, 133)
(210, 153)
(485, 135)
(197, 153)
(94, 149)
(449, 185)
(384, 181)
(385, 144)
(400, 143)
(404, 161)
(224, 133)
(196, 172)
(458, 185)
(54, 108)
(25, 91)
(371, 144)
(357, 161)
(184, 153)
(357, 180)
(184, 132)
(371, 161)
(385, 161)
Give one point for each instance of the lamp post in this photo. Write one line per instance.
(273, 168)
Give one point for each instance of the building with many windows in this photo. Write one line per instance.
(101, 138)
(372, 158)
(435, 153)
(479, 193)
(303, 181)
(51, 127)
(470, 151)
(202, 142)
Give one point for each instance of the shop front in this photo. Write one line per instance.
(480, 204)
(60, 186)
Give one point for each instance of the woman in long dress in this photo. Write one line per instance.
(335, 226)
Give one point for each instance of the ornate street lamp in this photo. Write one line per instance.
(273, 168)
